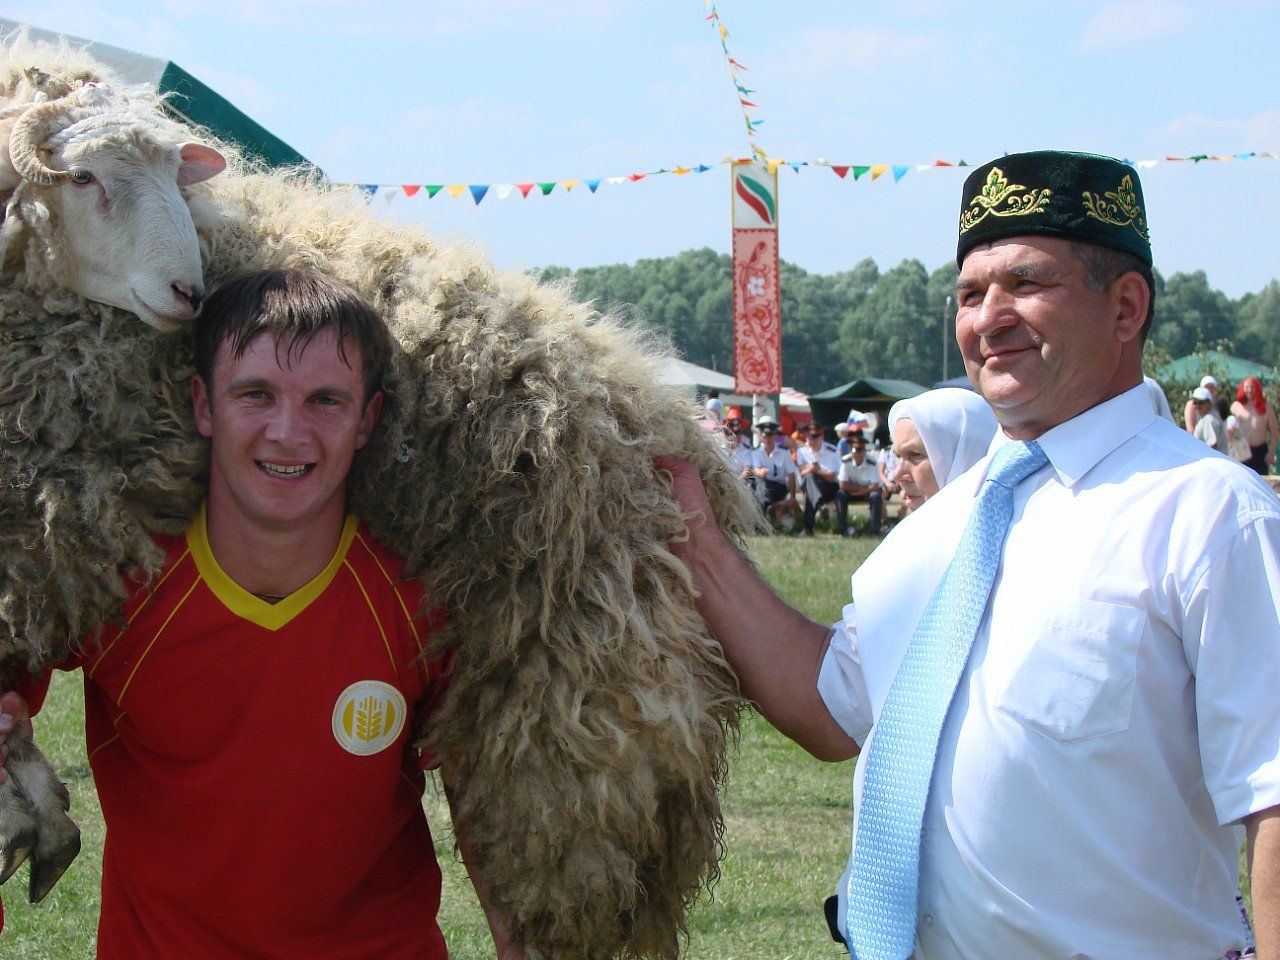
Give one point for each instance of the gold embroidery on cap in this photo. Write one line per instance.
(1121, 208)
(1000, 198)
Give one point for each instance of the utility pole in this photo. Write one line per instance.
(946, 337)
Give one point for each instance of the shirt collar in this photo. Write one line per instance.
(1078, 445)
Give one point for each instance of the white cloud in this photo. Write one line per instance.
(831, 53)
(1196, 131)
(1119, 26)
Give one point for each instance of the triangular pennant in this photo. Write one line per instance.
(747, 103)
(524, 188)
(546, 188)
(878, 170)
(1175, 159)
(369, 189)
(478, 190)
(963, 162)
(840, 171)
(592, 184)
(433, 188)
(942, 163)
(859, 170)
(924, 166)
(1245, 156)
(1146, 164)
(569, 185)
(503, 190)
(681, 171)
(774, 165)
(456, 189)
(636, 177)
(738, 65)
(388, 193)
(410, 188)
(1196, 158)
(899, 173)
(615, 180)
(702, 168)
(796, 165)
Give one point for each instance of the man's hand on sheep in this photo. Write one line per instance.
(13, 715)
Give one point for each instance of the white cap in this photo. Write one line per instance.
(766, 421)
(842, 429)
(1209, 382)
(1202, 393)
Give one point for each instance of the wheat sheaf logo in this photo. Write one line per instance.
(368, 717)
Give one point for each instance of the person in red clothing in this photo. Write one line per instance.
(250, 725)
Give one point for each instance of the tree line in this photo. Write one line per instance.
(863, 322)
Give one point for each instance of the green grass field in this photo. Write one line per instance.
(787, 839)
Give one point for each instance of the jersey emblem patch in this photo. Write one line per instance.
(368, 717)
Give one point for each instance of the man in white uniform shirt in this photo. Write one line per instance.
(859, 480)
(774, 469)
(1116, 713)
(819, 465)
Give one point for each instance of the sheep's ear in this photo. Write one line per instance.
(199, 163)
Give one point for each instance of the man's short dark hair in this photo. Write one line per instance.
(1105, 265)
(294, 306)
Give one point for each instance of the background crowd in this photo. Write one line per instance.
(929, 440)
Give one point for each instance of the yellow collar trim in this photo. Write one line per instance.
(269, 616)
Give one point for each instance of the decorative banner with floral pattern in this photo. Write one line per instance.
(757, 301)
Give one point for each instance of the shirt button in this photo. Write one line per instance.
(928, 919)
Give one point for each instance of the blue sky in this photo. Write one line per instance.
(533, 90)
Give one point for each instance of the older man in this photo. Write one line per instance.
(818, 465)
(1061, 670)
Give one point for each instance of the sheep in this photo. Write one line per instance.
(587, 723)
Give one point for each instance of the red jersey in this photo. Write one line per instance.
(254, 764)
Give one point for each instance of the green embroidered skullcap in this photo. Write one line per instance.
(1052, 193)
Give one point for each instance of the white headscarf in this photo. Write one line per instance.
(956, 426)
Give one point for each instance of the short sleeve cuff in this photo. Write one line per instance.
(841, 686)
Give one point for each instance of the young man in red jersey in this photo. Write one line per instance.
(250, 726)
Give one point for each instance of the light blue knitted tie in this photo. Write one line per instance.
(882, 895)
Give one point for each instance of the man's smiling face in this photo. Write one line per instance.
(285, 425)
(1038, 343)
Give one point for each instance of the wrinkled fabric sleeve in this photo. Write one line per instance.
(1231, 636)
(841, 683)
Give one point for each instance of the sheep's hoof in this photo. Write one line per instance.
(50, 862)
(14, 851)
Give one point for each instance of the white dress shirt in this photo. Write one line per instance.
(1118, 710)
(862, 474)
(779, 463)
(826, 458)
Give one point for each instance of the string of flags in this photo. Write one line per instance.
(853, 172)
(746, 106)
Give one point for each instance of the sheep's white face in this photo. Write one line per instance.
(126, 229)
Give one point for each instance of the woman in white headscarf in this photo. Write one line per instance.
(937, 436)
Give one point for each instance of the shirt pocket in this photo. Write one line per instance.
(1076, 681)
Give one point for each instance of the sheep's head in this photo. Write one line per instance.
(112, 172)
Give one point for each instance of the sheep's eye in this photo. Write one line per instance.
(81, 176)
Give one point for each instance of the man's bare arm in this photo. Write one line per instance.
(1262, 831)
(775, 650)
(505, 945)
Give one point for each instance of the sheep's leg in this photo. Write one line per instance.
(17, 828)
(57, 838)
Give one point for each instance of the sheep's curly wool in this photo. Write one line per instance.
(586, 726)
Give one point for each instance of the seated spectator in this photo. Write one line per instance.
(842, 440)
(1256, 423)
(886, 465)
(743, 453)
(859, 482)
(1191, 413)
(819, 465)
(715, 406)
(937, 436)
(1209, 426)
(775, 471)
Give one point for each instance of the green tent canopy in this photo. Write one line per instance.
(188, 98)
(1215, 363)
(869, 395)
